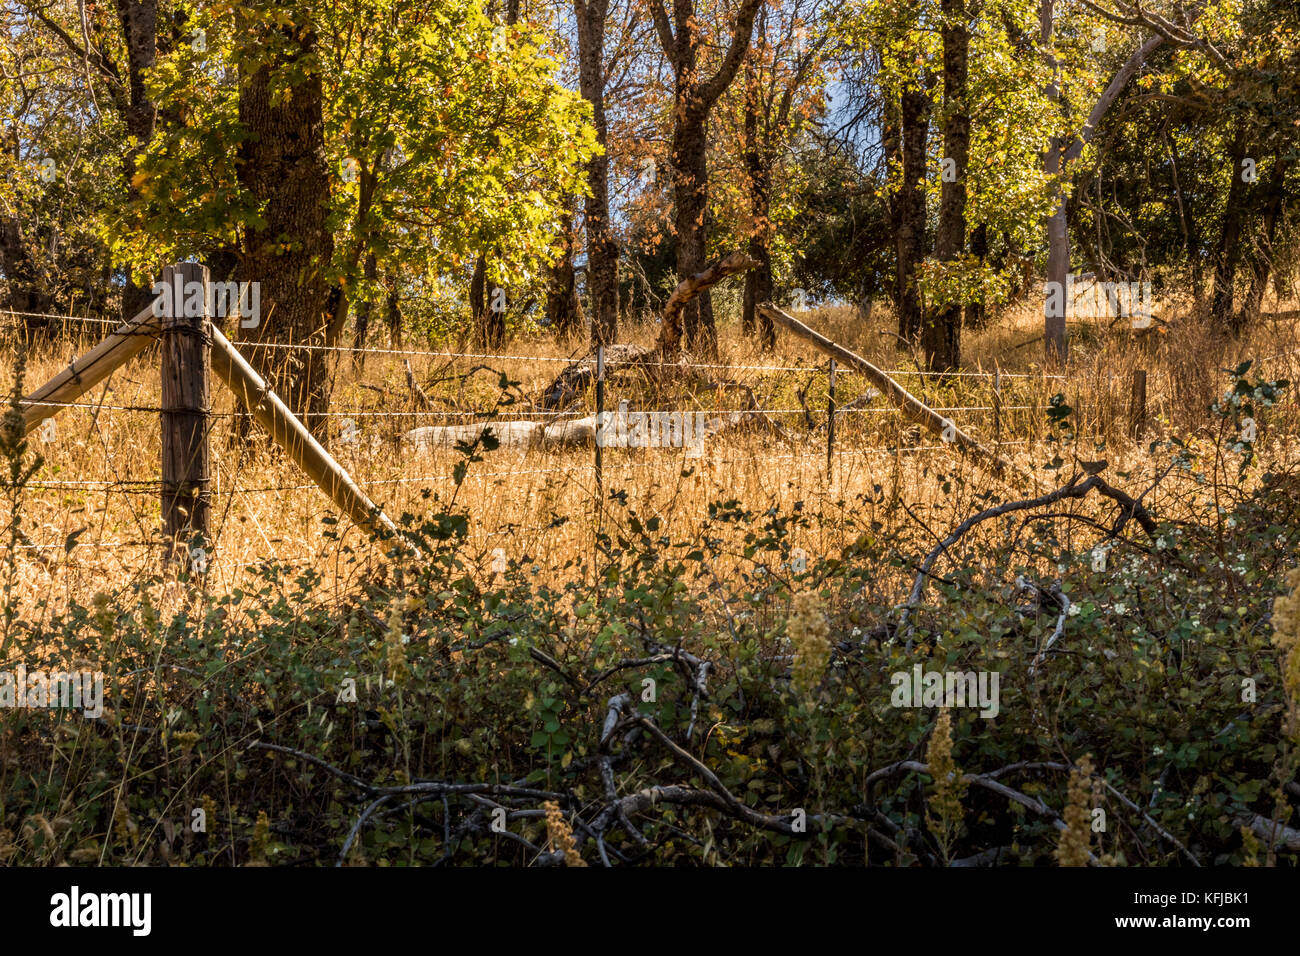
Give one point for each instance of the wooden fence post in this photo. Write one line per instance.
(830, 425)
(997, 407)
(600, 425)
(186, 404)
(1138, 406)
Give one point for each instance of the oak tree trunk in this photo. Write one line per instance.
(1229, 248)
(1262, 252)
(563, 309)
(909, 211)
(282, 165)
(602, 249)
(139, 21)
(941, 335)
(758, 281)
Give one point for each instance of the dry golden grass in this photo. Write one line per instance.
(101, 469)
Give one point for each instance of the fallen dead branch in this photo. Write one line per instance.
(417, 393)
(670, 335)
(1131, 508)
(985, 781)
(575, 378)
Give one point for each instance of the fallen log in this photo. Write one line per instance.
(911, 406)
(576, 378)
(621, 429)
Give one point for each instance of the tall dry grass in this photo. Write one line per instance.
(99, 480)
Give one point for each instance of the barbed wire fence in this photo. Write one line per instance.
(1011, 417)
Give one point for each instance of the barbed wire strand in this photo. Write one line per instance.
(501, 357)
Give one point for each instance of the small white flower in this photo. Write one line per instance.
(1160, 543)
(1121, 608)
(1232, 522)
(1074, 610)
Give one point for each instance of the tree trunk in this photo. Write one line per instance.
(392, 308)
(1056, 158)
(941, 336)
(690, 190)
(1262, 252)
(693, 97)
(909, 207)
(758, 281)
(139, 21)
(1055, 343)
(1190, 239)
(602, 249)
(282, 165)
(489, 323)
(364, 308)
(1229, 249)
(26, 282)
(977, 313)
(563, 309)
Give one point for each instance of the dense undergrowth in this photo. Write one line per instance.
(721, 699)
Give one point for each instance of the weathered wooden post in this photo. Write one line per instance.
(830, 425)
(600, 425)
(997, 407)
(1138, 405)
(186, 404)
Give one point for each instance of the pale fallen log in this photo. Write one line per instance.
(618, 429)
(911, 406)
(508, 434)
